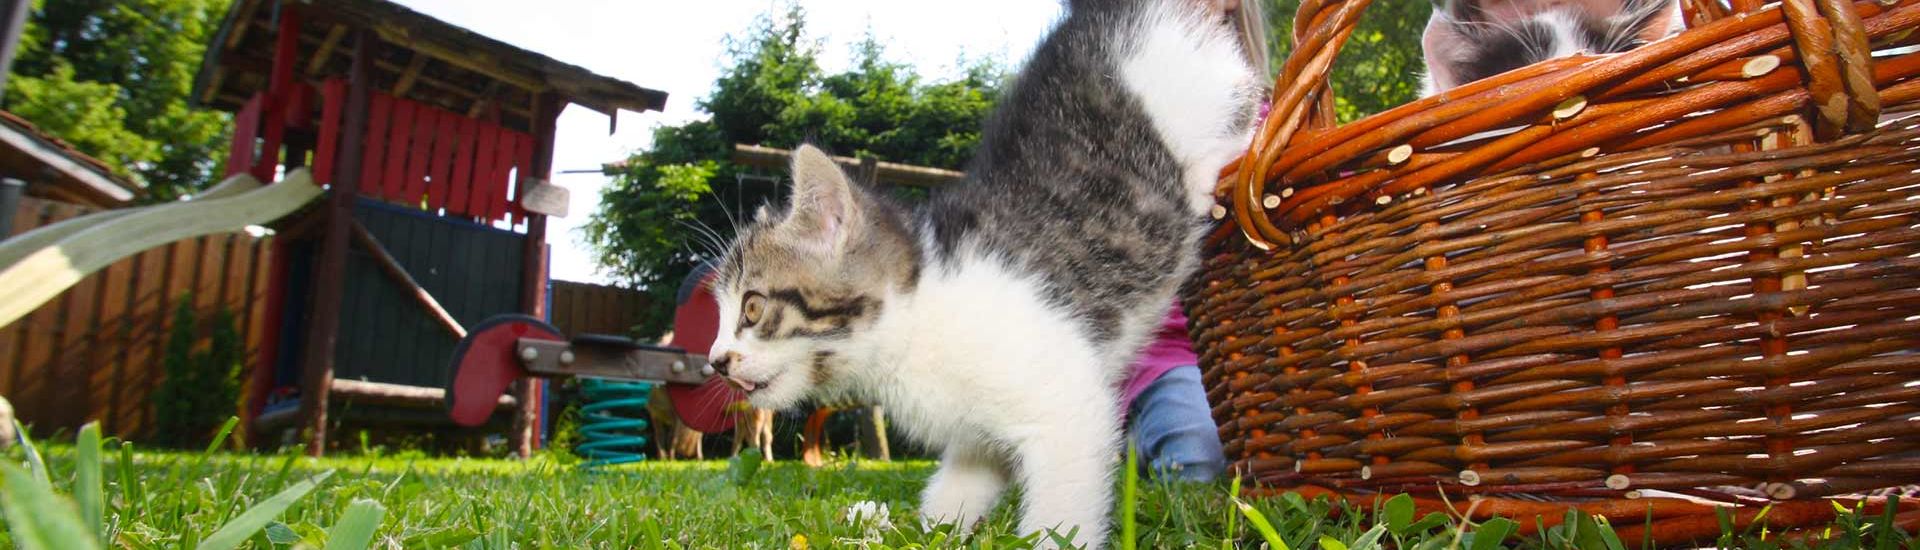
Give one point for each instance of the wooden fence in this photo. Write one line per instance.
(582, 308)
(94, 353)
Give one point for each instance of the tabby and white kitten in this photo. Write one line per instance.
(995, 321)
(1467, 40)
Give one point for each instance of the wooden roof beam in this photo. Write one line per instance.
(474, 61)
(410, 75)
(213, 88)
(247, 8)
(325, 53)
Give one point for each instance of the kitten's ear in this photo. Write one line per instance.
(823, 210)
(1461, 10)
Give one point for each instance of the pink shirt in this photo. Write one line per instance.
(1171, 348)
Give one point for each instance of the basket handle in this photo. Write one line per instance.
(1832, 42)
(1320, 27)
(1828, 35)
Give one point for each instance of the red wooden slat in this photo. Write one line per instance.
(424, 119)
(483, 178)
(331, 112)
(395, 182)
(379, 109)
(246, 128)
(502, 174)
(462, 180)
(443, 151)
(523, 158)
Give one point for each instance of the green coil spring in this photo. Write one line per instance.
(613, 422)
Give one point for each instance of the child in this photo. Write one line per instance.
(1168, 418)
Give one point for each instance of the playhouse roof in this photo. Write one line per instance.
(421, 58)
(54, 169)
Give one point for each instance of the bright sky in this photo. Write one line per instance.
(678, 47)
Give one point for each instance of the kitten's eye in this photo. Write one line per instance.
(754, 306)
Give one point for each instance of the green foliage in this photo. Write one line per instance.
(1380, 65)
(685, 189)
(201, 387)
(113, 77)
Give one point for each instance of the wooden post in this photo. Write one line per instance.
(329, 278)
(533, 269)
(872, 431)
(280, 85)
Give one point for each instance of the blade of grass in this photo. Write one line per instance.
(37, 518)
(129, 492)
(355, 529)
(220, 438)
(1370, 539)
(280, 479)
(1260, 524)
(87, 486)
(1128, 490)
(1233, 528)
(34, 462)
(1886, 531)
(254, 519)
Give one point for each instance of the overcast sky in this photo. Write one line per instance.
(678, 47)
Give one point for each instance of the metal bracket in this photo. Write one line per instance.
(553, 358)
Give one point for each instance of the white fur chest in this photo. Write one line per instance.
(974, 353)
(1195, 86)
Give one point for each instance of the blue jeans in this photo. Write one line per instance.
(1173, 428)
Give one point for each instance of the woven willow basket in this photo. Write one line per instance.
(1635, 284)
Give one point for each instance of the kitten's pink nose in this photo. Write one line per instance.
(723, 361)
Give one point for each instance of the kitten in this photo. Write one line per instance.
(995, 321)
(7, 431)
(1467, 40)
(753, 429)
(672, 438)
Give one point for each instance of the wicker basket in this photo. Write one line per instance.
(1689, 268)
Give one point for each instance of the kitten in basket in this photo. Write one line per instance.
(1467, 40)
(995, 321)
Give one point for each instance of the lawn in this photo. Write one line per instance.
(160, 499)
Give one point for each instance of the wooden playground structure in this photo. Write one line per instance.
(427, 139)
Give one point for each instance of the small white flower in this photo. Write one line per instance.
(869, 513)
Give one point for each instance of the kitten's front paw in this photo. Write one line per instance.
(965, 488)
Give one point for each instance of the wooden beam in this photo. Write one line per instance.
(380, 393)
(454, 89)
(410, 75)
(533, 265)
(325, 53)
(213, 84)
(280, 86)
(329, 277)
(399, 275)
(482, 100)
(888, 173)
(244, 21)
(475, 61)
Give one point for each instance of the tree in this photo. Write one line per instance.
(1380, 65)
(113, 78)
(684, 189)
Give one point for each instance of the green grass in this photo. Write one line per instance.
(133, 498)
